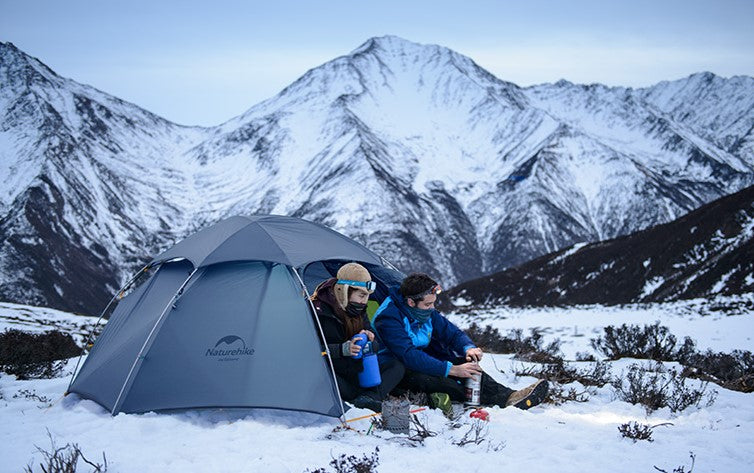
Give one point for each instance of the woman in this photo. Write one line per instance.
(341, 308)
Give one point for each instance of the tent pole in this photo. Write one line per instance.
(327, 350)
(388, 264)
(147, 344)
(117, 295)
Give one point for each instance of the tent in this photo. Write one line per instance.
(222, 320)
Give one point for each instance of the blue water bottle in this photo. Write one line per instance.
(359, 339)
(369, 376)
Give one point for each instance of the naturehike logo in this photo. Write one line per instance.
(229, 348)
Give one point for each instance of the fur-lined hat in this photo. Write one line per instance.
(350, 272)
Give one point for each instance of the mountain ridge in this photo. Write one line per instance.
(413, 150)
(706, 253)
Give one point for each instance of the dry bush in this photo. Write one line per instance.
(655, 390)
(351, 464)
(477, 434)
(421, 429)
(560, 372)
(32, 395)
(636, 431)
(35, 355)
(529, 348)
(681, 469)
(65, 459)
(557, 395)
(651, 342)
(733, 370)
(730, 370)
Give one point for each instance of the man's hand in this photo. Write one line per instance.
(466, 370)
(370, 335)
(474, 354)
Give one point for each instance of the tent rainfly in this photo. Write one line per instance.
(222, 320)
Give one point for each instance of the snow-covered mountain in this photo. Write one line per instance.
(411, 149)
(707, 253)
(91, 185)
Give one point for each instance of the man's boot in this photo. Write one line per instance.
(530, 396)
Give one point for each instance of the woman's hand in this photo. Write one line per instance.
(355, 348)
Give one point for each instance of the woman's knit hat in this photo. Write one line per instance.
(350, 272)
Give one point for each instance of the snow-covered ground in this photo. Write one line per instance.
(40, 319)
(572, 437)
(723, 324)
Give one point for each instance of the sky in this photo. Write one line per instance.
(202, 63)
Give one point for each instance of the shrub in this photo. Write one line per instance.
(351, 464)
(476, 434)
(65, 459)
(585, 356)
(35, 355)
(681, 469)
(732, 371)
(560, 372)
(31, 394)
(654, 390)
(529, 348)
(642, 389)
(557, 395)
(421, 429)
(653, 342)
(636, 431)
(682, 396)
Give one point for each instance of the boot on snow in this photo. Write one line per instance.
(529, 396)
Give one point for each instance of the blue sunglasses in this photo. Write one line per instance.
(368, 285)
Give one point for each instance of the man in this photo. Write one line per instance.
(438, 355)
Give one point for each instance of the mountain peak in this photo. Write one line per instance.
(564, 83)
(18, 67)
(9, 48)
(704, 75)
(396, 67)
(11, 56)
(389, 43)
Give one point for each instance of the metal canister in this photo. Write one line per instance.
(474, 391)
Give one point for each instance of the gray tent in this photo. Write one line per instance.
(222, 320)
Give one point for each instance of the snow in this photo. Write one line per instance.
(461, 301)
(571, 251)
(572, 437)
(651, 286)
(725, 330)
(40, 319)
(720, 285)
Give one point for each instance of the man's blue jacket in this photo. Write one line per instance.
(425, 347)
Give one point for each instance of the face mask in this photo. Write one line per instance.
(422, 315)
(354, 309)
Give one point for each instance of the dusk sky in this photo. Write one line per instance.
(201, 63)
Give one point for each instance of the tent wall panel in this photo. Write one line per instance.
(102, 375)
(241, 335)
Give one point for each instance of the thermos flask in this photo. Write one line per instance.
(473, 390)
(369, 376)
